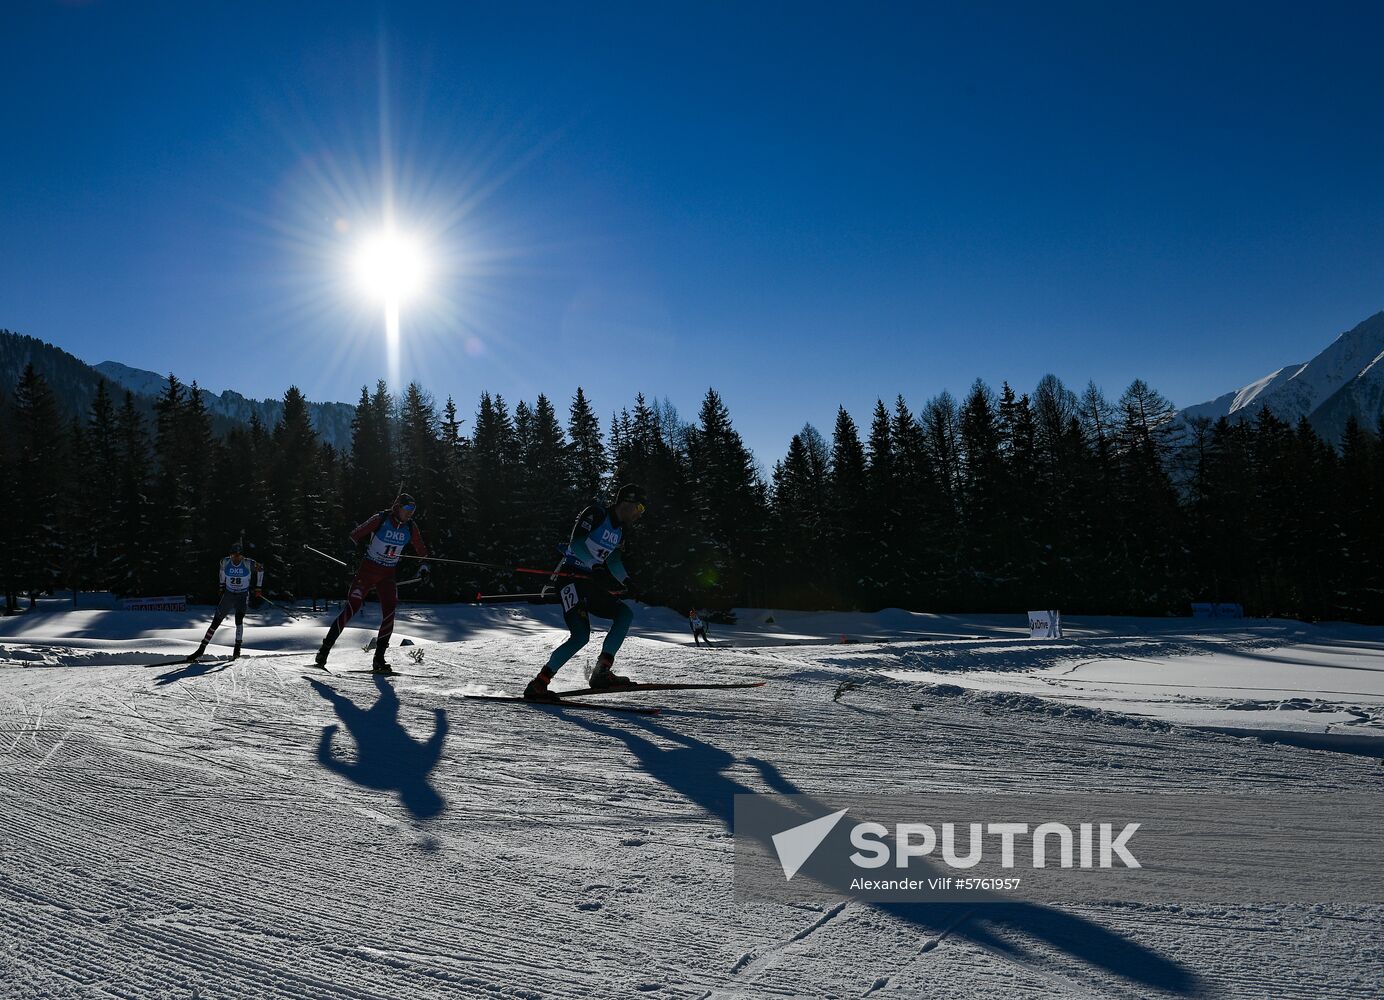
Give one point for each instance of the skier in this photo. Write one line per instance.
(593, 558)
(236, 574)
(698, 628)
(388, 532)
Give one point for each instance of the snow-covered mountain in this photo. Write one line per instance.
(332, 421)
(1345, 379)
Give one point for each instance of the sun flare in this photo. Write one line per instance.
(391, 266)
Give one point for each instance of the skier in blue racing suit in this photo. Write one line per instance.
(590, 572)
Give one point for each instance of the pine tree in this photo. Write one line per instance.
(1154, 575)
(550, 492)
(797, 518)
(79, 570)
(297, 480)
(818, 458)
(173, 572)
(1020, 567)
(882, 585)
(450, 529)
(1058, 505)
(847, 514)
(9, 569)
(94, 489)
(38, 468)
(493, 456)
(198, 448)
(1101, 549)
(133, 547)
(922, 520)
(982, 500)
(669, 553)
(729, 517)
(419, 448)
(373, 479)
(941, 424)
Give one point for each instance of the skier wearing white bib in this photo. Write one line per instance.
(239, 577)
(385, 535)
(698, 628)
(590, 570)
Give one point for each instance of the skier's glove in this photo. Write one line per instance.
(631, 589)
(424, 572)
(259, 594)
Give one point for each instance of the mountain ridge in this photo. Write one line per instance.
(75, 382)
(1345, 379)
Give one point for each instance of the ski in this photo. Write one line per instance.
(216, 656)
(658, 687)
(170, 663)
(564, 704)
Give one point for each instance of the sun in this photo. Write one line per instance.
(391, 266)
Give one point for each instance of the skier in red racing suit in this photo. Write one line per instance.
(388, 533)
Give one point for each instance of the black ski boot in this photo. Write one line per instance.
(236, 654)
(381, 665)
(604, 677)
(538, 688)
(197, 655)
(328, 641)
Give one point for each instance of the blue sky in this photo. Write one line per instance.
(801, 205)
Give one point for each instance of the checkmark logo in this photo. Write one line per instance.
(796, 844)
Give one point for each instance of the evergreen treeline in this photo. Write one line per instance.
(990, 503)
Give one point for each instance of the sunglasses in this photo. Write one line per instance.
(408, 508)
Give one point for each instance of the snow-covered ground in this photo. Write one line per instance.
(261, 829)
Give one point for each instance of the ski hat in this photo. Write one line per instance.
(632, 493)
(236, 548)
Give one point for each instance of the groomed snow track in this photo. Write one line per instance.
(258, 829)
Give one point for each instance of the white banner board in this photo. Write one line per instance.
(1205, 610)
(154, 603)
(1045, 625)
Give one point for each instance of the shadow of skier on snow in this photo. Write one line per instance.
(387, 758)
(199, 669)
(697, 770)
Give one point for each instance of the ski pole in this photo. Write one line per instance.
(549, 597)
(548, 572)
(454, 562)
(511, 598)
(325, 556)
(486, 565)
(273, 604)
